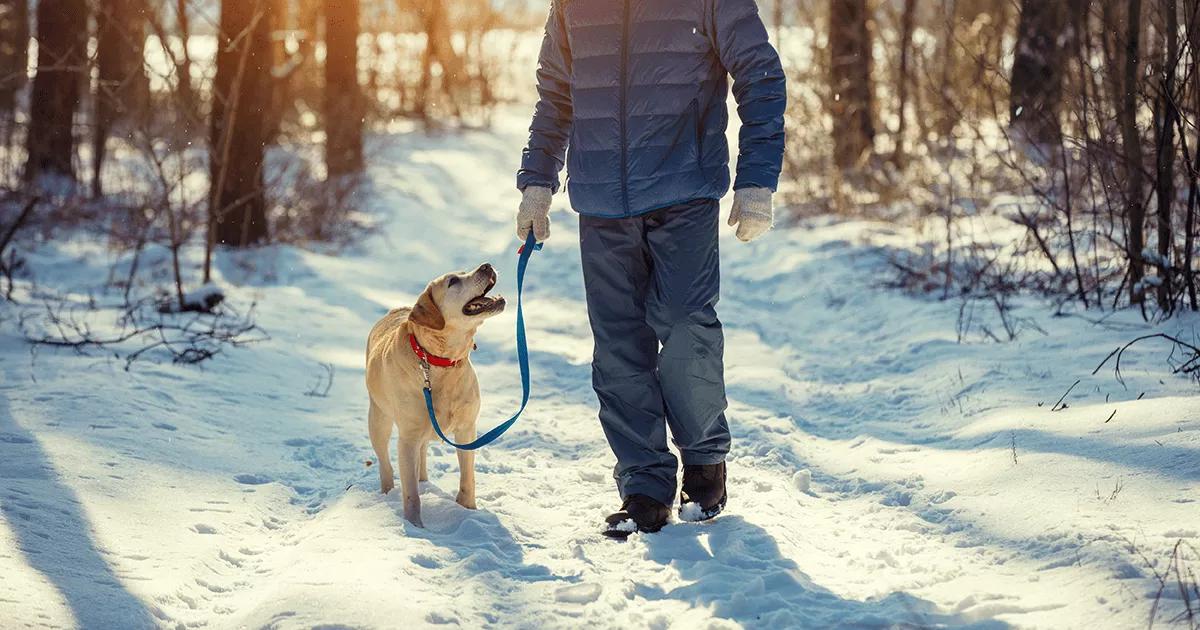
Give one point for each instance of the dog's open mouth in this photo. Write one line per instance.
(484, 303)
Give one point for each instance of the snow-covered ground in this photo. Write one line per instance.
(883, 473)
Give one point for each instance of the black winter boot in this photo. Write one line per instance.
(703, 495)
(638, 513)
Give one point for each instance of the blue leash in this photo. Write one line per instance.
(522, 359)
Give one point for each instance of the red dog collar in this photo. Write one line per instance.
(431, 359)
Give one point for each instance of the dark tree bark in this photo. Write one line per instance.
(904, 79)
(439, 49)
(343, 98)
(282, 97)
(241, 93)
(1189, 225)
(1165, 180)
(183, 86)
(851, 102)
(1135, 211)
(14, 54)
(1039, 64)
(309, 22)
(62, 50)
(122, 89)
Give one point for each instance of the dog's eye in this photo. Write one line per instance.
(454, 280)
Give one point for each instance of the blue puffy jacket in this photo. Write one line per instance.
(633, 91)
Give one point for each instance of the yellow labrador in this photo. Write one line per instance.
(441, 327)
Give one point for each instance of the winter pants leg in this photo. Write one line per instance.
(652, 283)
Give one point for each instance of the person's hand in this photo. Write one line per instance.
(534, 213)
(752, 212)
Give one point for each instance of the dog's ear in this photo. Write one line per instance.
(426, 313)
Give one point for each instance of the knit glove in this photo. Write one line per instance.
(534, 213)
(752, 212)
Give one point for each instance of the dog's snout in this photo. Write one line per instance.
(487, 268)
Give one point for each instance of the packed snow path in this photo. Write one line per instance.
(882, 473)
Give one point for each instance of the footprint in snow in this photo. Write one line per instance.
(252, 479)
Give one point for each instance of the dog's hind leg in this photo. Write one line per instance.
(422, 471)
(409, 462)
(380, 428)
(466, 470)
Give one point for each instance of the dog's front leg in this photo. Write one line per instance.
(466, 470)
(410, 460)
(423, 470)
(380, 428)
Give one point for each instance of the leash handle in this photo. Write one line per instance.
(526, 250)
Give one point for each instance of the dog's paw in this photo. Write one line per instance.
(386, 487)
(465, 501)
(412, 511)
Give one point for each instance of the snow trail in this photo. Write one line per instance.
(882, 472)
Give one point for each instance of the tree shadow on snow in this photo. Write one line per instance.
(735, 568)
(53, 532)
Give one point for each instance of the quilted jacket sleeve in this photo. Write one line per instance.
(543, 156)
(759, 86)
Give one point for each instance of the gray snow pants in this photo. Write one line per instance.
(652, 283)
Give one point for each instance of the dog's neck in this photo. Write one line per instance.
(455, 345)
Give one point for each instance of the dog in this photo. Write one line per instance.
(440, 326)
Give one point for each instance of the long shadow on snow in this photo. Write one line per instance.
(54, 534)
(745, 578)
(928, 505)
(1163, 460)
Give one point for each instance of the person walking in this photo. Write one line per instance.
(632, 100)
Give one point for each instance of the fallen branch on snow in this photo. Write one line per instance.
(1190, 365)
(187, 339)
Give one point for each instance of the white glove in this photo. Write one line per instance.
(534, 213)
(752, 212)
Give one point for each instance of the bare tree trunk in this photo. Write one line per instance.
(241, 93)
(852, 103)
(309, 18)
(62, 57)
(309, 22)
(343, 98)
(438, 49)
(777, 21)
(122, 89)
(1132, 142)
(187, 95)
(1039, 62)
(1193, 35)
(902, 82)
(282, 96)
(14, 55)
(1165, 181)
